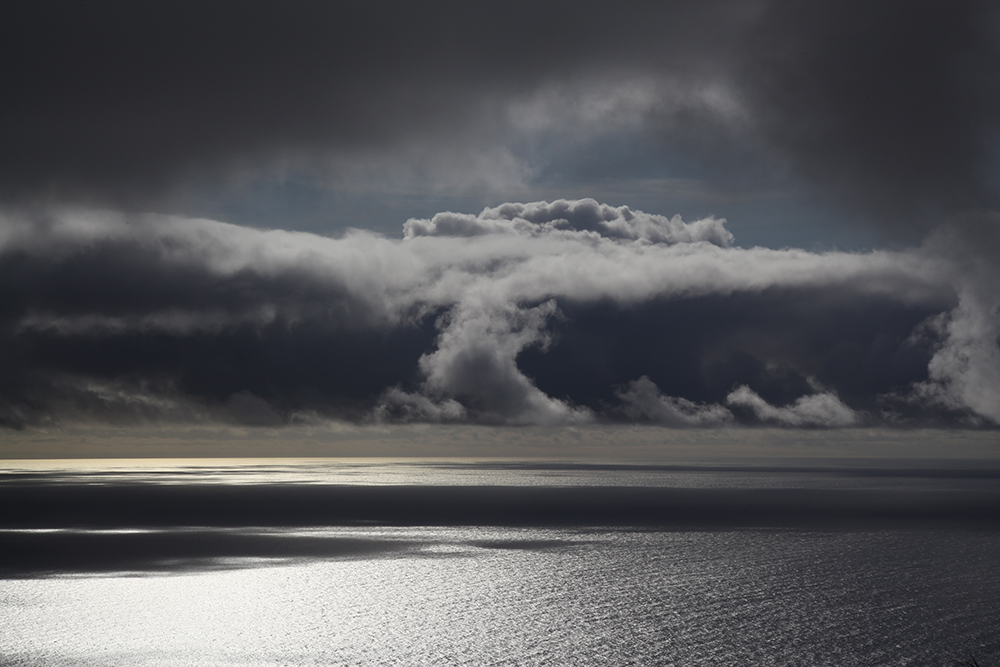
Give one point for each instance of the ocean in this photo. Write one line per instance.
(376, 562)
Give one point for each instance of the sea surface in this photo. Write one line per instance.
(378, 562)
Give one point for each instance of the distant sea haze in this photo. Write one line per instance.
(328, 562)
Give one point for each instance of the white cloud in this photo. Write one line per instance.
(475, 361)
(821, 409)
(584, 216)
(643, 401)
(965, 370)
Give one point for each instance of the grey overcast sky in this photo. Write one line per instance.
(239, 220)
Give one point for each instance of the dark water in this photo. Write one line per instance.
(348, 563)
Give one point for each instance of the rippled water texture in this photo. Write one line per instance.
(498, 595)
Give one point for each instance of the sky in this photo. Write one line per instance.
(495, 228)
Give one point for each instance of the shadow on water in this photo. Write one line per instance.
(54, 524)
(40, 553)
(289, 505)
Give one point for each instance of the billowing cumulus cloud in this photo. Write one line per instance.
(965, 370)
(563, 312)
(540, 218)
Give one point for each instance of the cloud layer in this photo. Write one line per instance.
(541, 313)
(121, 305)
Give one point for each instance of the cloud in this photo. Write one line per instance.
(821, 409)
(642, 401)
(118, 103)
(965, 369)
(885, 108)
(542, 320)
(398, 405)
(585, 215)
(475, 361)
(538, 312)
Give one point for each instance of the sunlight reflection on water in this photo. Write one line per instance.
(851, 474)
(246, 594)
(480, 596)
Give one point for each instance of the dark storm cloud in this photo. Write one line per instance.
(541, 313)
(117, 101)
(141, 320)
(784, 343)
(887, 107)
(890, 108)
(884, 106)
(603, 313)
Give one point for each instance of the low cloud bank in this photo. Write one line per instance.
(642, 401)
(821, 409)
(541, 313)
